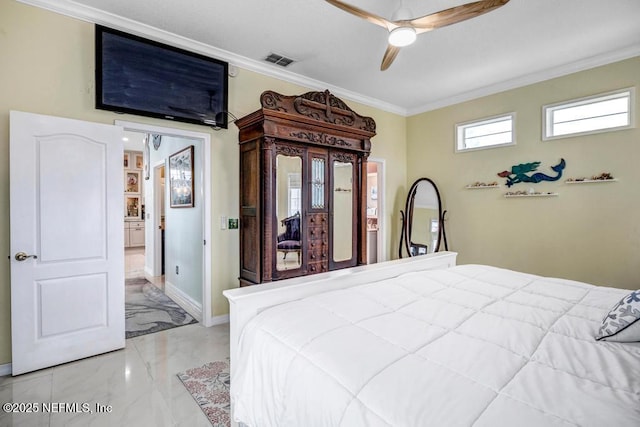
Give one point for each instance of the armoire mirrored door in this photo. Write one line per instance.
(344, 219)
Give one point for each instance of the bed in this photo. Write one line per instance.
(423, 342)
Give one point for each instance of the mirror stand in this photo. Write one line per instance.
(423, 230)
(444, 230)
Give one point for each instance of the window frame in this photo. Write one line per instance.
(549, 109)
(294, 176)
(459, 127)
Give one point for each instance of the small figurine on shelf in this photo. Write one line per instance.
(479, 184)
(528, 193)
(602, 177)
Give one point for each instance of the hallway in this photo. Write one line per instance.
(134, 266)
(134, 262)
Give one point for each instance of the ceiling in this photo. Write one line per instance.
(523, 42)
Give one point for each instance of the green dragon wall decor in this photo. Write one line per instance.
(519, 173)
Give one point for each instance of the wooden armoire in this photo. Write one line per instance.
(303, 172)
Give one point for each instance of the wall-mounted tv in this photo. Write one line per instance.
(139, 76)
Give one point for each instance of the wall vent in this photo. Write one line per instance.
(274, 58)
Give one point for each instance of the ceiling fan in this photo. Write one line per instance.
(403, 29)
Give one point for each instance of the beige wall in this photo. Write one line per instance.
(48, 68)
(589, 232)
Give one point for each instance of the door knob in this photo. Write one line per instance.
(21, 256)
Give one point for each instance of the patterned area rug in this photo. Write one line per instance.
(209, 386)
(148, 309)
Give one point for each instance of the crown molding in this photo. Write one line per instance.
(97, 16)
(537, 77)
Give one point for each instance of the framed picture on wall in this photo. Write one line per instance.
(181, 178)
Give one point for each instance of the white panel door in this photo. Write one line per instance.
(67, 240)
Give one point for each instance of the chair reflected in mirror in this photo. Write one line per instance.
(290, 240)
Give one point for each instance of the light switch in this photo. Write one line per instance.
(223, 223)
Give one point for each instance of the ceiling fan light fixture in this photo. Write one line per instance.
(405, 28)
(402, 36)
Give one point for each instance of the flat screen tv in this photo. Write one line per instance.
(139, 76)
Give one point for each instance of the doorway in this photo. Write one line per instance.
(134, 241)
(180, 234)
(375, 211)
(159, 210)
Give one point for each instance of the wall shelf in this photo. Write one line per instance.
(508, 196)
(591, 181)
(477, 187)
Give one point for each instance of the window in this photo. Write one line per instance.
(486, 133)
(600, 113)
(295, 194)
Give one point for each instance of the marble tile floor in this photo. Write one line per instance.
(139, 382)
(290, 262)
(134, 266)
(134, 262)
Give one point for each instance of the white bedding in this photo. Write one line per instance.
(470, 345)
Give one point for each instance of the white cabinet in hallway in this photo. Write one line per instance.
(133, 233)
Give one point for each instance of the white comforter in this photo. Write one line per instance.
(471, 345)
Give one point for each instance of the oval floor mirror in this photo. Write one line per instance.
(422, 220)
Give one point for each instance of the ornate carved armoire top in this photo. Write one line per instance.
(320, 106)
(317, 118)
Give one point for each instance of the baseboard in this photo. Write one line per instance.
(148, 272)
(218, 320)
(189, 305)
(5, 369)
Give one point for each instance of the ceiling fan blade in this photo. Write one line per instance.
(389, 56)
(374, 19)
(453, 15)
